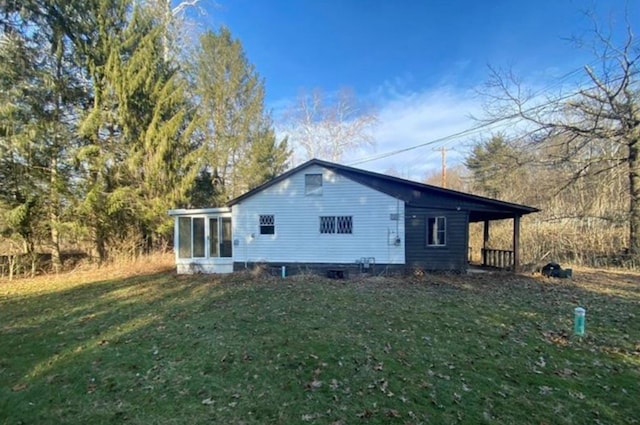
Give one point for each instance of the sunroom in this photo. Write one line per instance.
(203, 240)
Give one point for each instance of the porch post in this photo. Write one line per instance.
(485, 242)
(516, 243)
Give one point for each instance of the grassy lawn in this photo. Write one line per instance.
(145, 346)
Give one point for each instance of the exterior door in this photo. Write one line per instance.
(220, 243)
(226, 247)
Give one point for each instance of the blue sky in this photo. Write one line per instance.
(420, 63)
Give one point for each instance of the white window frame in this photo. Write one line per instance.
(330, 224)
(192, 237)
(436, 230)
(266, 222)
(207, 238)
(311, 186)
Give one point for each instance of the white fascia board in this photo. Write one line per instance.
(187, 211)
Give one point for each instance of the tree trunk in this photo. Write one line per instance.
(101, 241)
(54, 219)
(634, 197)
(54, 197)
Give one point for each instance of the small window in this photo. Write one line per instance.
(328, 224)
(436, 231)
(267, 225)
(336, 224)
(344, 224)
(313, 184)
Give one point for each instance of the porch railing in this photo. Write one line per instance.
(500, 258)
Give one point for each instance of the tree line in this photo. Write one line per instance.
(575, 155)
(107, 121)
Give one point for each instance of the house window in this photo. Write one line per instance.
(184, 237)
(198, 237)
(267, 225)
(220, 243)
(436, 231)
(344, 224)
(336, 224)
(313, 184)
(191, 237)
(214, 238)
(226, 247)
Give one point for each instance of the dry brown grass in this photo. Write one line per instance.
(91, 272)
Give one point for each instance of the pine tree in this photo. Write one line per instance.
(40, 91)
(138, 156)
(238, 145)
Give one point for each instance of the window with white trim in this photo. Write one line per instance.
(336, 224)
(313, 184)
(191, 237)
(436, 231)
(267, 225)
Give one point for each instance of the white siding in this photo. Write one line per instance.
(207, 266)
(297, 236)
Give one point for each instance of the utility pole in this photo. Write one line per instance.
(444, 166)
(443, 176)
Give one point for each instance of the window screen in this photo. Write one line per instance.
(336, 224)
(344, 224)
(267, 225)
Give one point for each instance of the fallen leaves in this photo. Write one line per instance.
(314, 384)
(19, 387)
(545, 390)
(565, 373)
(560, 338)
(375, 353)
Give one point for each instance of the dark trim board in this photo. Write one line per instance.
(322, 269)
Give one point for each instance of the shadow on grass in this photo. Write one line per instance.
(162, 348)
(55, 343)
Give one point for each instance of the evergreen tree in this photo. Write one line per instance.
(238, 145)
(138, 157)
(494, 164)
(40, 92)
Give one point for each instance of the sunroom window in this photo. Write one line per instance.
(202, 237)
(191, 237)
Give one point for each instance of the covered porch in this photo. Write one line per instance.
(502, 254)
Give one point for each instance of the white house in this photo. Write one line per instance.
(322, 215)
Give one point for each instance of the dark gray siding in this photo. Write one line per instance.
(452, 256)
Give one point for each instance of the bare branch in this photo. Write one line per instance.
(325, 128)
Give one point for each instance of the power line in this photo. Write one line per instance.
(479, 127)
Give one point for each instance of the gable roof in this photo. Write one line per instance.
(411, 192)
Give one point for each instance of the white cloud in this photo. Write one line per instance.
(416, 118)
(410, 118)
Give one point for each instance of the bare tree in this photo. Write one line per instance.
(173, 19)
(591, 131)
(325, 127)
